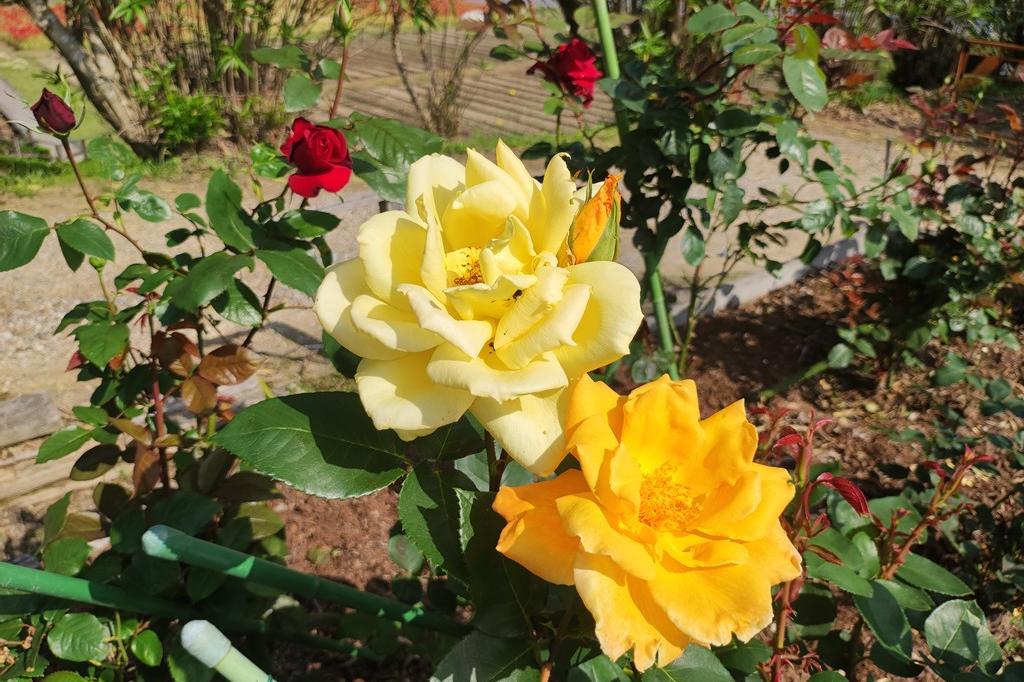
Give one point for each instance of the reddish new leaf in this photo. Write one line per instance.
(229, 365)
(200, 395)
(850, 492)
(146, 470)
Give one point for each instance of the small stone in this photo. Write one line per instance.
(871, 407)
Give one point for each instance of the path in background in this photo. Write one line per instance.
(497, 97)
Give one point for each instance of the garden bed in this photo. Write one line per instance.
(738, 353)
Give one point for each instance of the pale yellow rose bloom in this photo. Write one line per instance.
(669, 529)
(460, 302)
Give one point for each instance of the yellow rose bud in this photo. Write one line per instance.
(594, 235)
(460, 303)
(669, 529)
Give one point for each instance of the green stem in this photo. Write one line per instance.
(660, 309)
(173, 545)
(691, 320)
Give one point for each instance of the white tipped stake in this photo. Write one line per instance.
(211, 648)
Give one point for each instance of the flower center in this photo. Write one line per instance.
(464, 267)
(666, 503)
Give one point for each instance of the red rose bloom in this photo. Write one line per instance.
(53, 114)
(573, 68)
(320, 156)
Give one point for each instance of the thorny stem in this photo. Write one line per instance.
(341, 79)
(548, 667)
(691, 320)
(92, 204)
(495, 465)
(263, 313)
(158, 407)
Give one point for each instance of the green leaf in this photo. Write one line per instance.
(86, 237)
(224, 209)
(952, 371)
(267, 161)
(321, 443)
(928, 575)
(187, 511)
(307, 223)
(262, 520)
(841, 576)
(827, 676)
(805, 42)
(693, 246)
(285, 57)
(62, 443)
(429, 511)
(711, 19)
(147, 648)
(840, 356)
(146, 205)
(405, 553)
(909, 225)
(909, 598)
(958, 634)
(78, 637)
(186, 201)
(206, 280)
(101, 342)
(482, 658)
(886, 619)
(295, 268)
(66, 555)
(697, 664)
(735, 121)
(393, 143)
(112, 155)
(55, 518)
(505, 53)
(806, 81)
(755, 54)
(300, 92)
(819, 215)
(238, 304)
(96, 416)
(21, 236)
(388, 183)
(504, 593)
(64, 676)
(329, 69)
(95, 462)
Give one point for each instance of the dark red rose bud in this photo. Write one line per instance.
(850, 492)
(53, 114)
(320, 156)
(573, 68)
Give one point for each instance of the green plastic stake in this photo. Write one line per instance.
(164, 542)
(87, 592)
(611, 65)
(58, 586)
(211, 648)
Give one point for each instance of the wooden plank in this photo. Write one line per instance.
(27, 416)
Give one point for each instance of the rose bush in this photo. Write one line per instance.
(669, 530)
(467, 301)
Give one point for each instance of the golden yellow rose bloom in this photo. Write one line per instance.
(669, 530)
(592, 227)
(459, 303)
